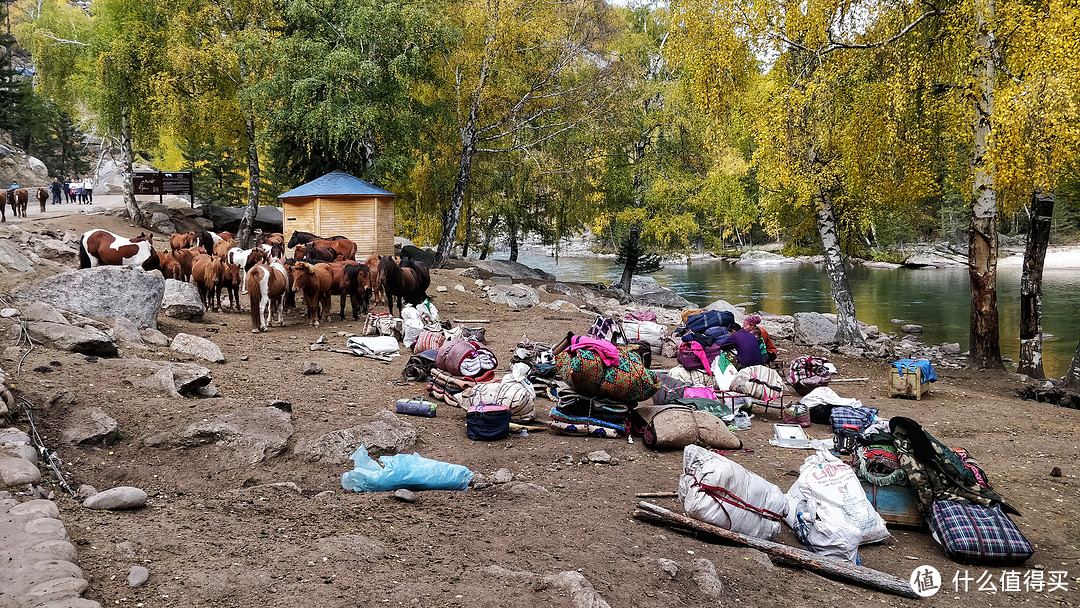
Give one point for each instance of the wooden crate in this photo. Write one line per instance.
(895, 504)
(908, 385)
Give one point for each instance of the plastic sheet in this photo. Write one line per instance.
(408, 471)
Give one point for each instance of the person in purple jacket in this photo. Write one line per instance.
(745, 344)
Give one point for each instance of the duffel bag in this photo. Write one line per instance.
(645, 332)
(710, 318)
(630, 381)
(487, 422)
(974, 534)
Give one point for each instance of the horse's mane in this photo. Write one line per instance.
(390, 272)
(299, 237)
(204, 239)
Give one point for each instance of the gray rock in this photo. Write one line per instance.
(268, 219)
(581, 592)
(40, 311)
(670, 567)
(516, 296)
(813, 328)
(664, 298)
(599, 457)
(116, 499)
(172, 379)
(57, 251)
(126, 332)
(137, 576)
(940, 256)
(103, 292)
(404, 495)
(780, 327)
(197, 347)
(501, 280)
(15, 470)
(206, 392)
(505, 268)
(911, 328)
(738, 311)
(441, 289)
(182, 301)
(707, 579)
(153, 336)
(472, 272)
(310, 368)
(235, 438)
(758, 257)
(86, 491)
(8, 313)
(82, 340)
(502, 476)
(459, 287)
(386, 433)
(90, 426)
(159, 218)
(951, 349)
(12, 258)
(126, 549)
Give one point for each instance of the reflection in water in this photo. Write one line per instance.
(936, 298)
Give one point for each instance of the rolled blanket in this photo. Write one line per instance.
(467, 358)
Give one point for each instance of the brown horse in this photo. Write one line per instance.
(186, 257)
(103, 248)
(180, 241)
(267, 284)
(18, 201)
(350, 279)
(374, 278)
(343, 247)
(410, 281)
(231, 278)
(206, 271)
(311, 251)
(315, 280)
(170, 267)
(3, 206)
(43, 197)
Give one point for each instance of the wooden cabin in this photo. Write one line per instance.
(338, 204)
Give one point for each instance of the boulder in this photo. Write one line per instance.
(911, 328)
(40, 311)
(738, 311)
(90, 426)
(182, 301)
(137, 576)
(103, 292)
(813, 328)
(780, 327)
(83, 340)
(230, 439)
(18, 459)
(126, 332)
(665, 298)
(197, 347)
(516, 295)
(57, 251)
(758, 257)
(427, 256)
(386, 433)
(171, 378)
(116, 499)
(506, 268)
(12, 258)
(153, 336)
(268, 219)
(940, 256)
(40, 171)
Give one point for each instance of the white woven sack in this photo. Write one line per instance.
(514, 391)
(702, 466)
(758, 381)
(645, 331)
(824, 479)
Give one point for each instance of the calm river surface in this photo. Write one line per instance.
(936, 298)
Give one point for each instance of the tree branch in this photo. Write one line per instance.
(60, 40)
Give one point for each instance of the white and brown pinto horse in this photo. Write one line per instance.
(103, 248)
(267, 284)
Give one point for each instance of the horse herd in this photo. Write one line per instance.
(18, 198)
(320, 268)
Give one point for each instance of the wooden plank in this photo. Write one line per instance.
(895, 504)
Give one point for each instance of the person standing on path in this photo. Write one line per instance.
(67, 190)
(88, 190)
(55, 188)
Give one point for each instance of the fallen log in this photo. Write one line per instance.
(826, 566)
(656, 494)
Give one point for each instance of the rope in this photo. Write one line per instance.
(24, 334)
(722, 495)
(46, 454)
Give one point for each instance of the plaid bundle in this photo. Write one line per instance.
(804, 368)
(670, 389)
(851, 420)
(976, 534)
(604, 328)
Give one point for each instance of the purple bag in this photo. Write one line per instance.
(692, 355)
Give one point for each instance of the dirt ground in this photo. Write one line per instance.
(212, 535)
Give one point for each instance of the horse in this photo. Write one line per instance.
(245, 258)
(18, 200)
(103, 248)
(315, 280)
(3, 206)
(350, 279)
(206, 271)
(267, 285)
(231, 278)
(299, 237)
(409, 281)
(185, 257)
(222, 247)
(43, 197)
(374, 278)
(170, 267)
(343, 247)
(315, 252)
(206, 240)
(181, 241)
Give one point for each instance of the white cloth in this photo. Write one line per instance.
(824, 395)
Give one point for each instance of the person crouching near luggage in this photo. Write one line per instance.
(745, 344)
(750, 324)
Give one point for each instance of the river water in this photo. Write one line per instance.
(937, 298)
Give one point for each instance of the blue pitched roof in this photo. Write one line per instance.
(336, 183)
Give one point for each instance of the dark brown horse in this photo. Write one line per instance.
(410, 281)
(350, 279)
(231, 278)
(3, 206)
(103, 248)
(315, 280)
(314, 251)
(18, 200)
(43, 197)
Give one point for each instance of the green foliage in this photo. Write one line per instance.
(217, 172)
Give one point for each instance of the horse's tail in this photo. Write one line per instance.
(84, 258)
(255, 296)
